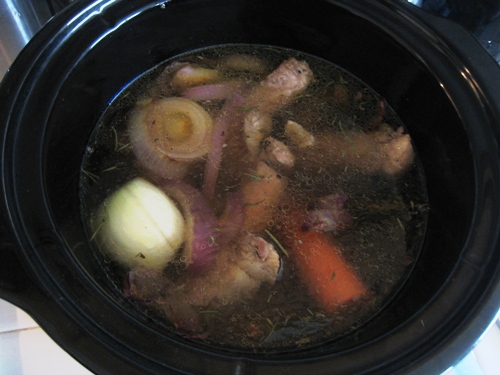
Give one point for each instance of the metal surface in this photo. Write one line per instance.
(19, 21)
(479, 17)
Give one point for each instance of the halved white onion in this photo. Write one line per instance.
(139, 225)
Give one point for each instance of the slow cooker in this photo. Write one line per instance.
(434, 74)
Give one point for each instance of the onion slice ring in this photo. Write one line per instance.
(168, 134)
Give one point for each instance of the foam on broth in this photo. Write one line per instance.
(387, 211)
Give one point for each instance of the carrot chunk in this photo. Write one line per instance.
(321, 266)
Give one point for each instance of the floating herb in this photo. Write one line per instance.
(348, 139)
(248, 109)
(180, 287)
(400, 223)
(97, 230)
(118, 145)
(90, 175)
(273, 327)
(255, 203)
(277, 242)
(253, 176)
(110, 169)
(123, 146)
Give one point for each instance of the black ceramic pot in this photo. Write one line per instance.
(438, 79)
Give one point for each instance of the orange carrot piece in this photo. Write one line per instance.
(329, 278)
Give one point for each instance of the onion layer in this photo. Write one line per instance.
(168, 134)
(229, 116)
(202, 233)
(232, 219)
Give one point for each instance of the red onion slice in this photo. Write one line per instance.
(229, 116)
(232, 220)
(217, 91)
(202, 235)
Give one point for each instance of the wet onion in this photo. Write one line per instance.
(216, 91)
(169, 134)
(139, 225)
(202, 231)
(229, 116)
(232, 219)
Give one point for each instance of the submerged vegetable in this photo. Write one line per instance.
(202, 233)
(244, 62)
(192, 75)
(216, 91)
(329, 278)
(320, 264)
(168, 134)
(228, 117)
(139, 225)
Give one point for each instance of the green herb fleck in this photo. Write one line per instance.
(248, 109)
(90, 175)
(277, 242)
(123, 146)
(110, 169)
(254, 176)
(180, 287)
(400, 223)
(255, 203)
(97, 230)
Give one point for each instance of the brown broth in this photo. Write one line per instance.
(388, 212)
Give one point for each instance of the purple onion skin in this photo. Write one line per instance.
(233, 218)
(333, 201)
(331, 216)
(202, 242)
(229, 116)
(327, 220)
(216, 91)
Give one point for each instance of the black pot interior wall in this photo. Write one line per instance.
(92, 66)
